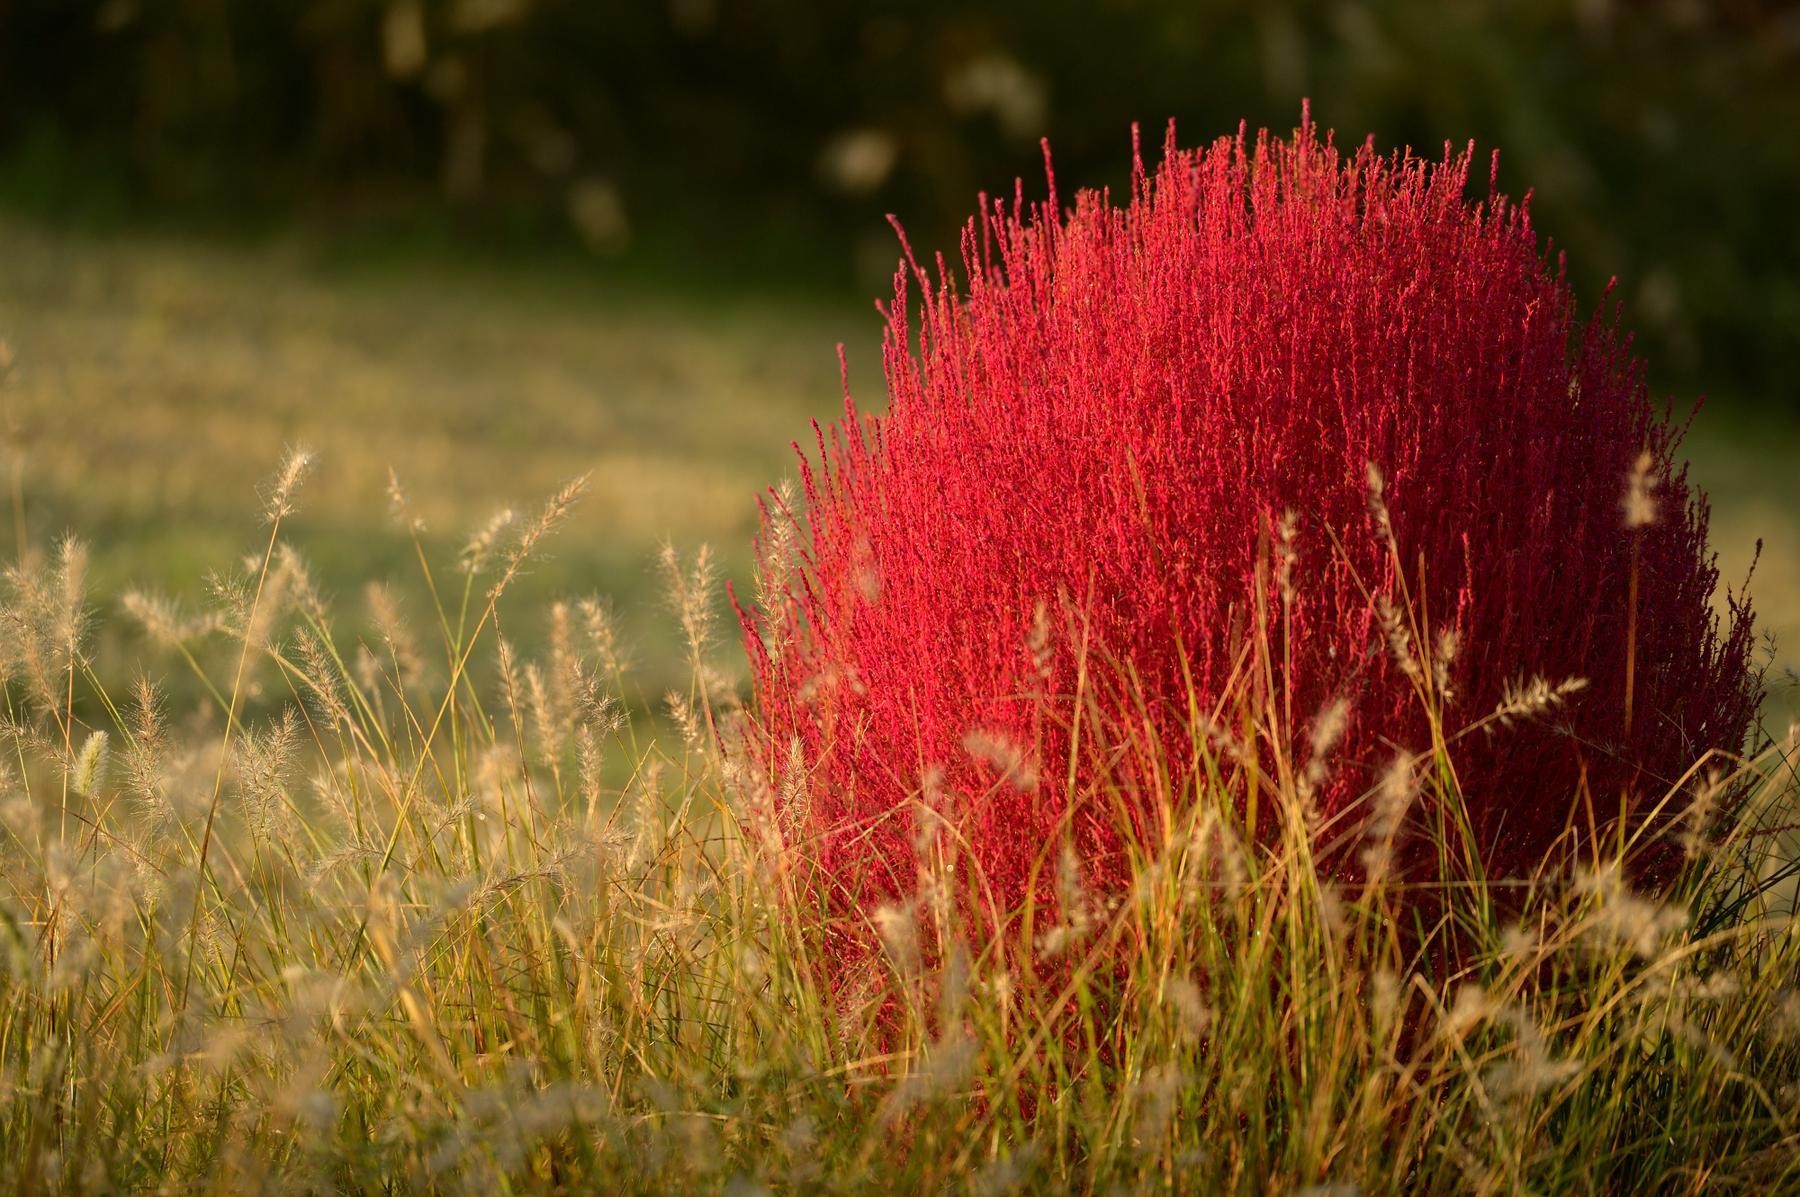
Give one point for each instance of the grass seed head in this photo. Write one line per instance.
(278, 503)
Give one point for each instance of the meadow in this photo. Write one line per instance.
(456, 883)
(157, 380)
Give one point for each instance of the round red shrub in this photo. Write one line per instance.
(1161, 416)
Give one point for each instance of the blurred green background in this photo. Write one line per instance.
(495, 242)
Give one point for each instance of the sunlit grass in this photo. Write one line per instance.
(365, 918)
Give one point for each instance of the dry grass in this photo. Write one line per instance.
(357, 923)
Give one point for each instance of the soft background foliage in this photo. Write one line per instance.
(777, 130)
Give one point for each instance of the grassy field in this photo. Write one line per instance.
(372, 904)
(157, 383)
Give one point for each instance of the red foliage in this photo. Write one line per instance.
(1117, 411)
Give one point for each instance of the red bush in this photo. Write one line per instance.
(1116, 415)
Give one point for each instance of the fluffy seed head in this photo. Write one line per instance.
(1640, 488)
(280, 500)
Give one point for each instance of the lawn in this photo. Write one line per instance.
(157, 383)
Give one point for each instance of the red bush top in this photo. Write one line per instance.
(1161, 416)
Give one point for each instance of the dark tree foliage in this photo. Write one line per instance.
(1658, 135)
